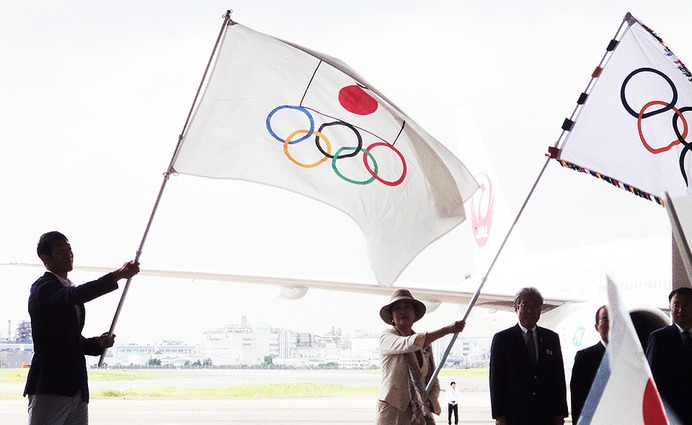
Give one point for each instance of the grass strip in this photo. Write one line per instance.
(297, 390)
(274, 390)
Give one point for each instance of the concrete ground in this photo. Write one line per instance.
(324, 411)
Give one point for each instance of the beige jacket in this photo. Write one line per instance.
(395, 381)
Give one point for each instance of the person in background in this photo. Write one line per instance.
(57, 381)
(669, 353)
(586, 364)
(408, 364)
(453, 403)
(527, 376)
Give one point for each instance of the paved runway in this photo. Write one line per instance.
(327, 411)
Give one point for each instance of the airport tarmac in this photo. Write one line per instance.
(474, 406)
(327, 411)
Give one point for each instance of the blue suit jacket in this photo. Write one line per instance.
(586, 364)
(671, 368)
(524, 394)
(58, 366)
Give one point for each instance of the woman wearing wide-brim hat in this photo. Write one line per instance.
(408, 364)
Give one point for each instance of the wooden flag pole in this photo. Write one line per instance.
(552, 153)
(166, 176)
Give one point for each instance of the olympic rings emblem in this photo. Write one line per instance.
(678, 115)
(324, 146)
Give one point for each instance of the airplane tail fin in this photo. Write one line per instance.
(488, 213)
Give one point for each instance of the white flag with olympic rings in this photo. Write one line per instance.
(282, 115)
(632, 130)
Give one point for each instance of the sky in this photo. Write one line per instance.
(94, 95)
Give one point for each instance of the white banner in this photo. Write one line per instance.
(281, 115)
(633, 129)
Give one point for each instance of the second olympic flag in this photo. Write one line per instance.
(632, 129)
(282, 115)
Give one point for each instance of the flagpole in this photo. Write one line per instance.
(552, 153)
(477, 294)
(170, 170)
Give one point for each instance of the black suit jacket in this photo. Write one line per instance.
(524, 394)
(57, 319)
(586, 364)
(671, 368)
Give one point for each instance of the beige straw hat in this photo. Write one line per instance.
(401, 295)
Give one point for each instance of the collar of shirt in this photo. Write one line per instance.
(526, 330)
(65, 282)
(681, 330)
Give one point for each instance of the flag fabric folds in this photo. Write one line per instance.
(680, 215)
(632, 129)
(623, 391)
(282, 115)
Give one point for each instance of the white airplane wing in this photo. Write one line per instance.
(293, 288)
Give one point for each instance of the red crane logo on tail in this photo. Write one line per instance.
(482, 207)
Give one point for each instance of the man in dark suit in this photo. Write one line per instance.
(670, 357)
(57, 381)
(586, 364)
(527, 376)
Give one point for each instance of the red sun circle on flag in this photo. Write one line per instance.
(652, 408)
(355, 100)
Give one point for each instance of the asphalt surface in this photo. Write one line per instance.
(327, 411)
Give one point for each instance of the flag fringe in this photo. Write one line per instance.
(614, 182)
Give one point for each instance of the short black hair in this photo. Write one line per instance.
(598, 311)
(452, 383)
(683, 290)
(46, 242)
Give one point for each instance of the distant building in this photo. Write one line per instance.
(244, 344)
(286, 343)
(17, 352)
(467, 351)
(15, 355)
(169, 352)
(24, 332)
(252, 345)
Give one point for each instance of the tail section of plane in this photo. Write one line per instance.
(572, 279)
(490, 219)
